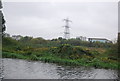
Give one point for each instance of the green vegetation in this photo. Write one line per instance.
(72, 52)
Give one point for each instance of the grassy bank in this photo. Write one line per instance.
(62, 54)
(85, 60)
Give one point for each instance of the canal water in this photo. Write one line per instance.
(22, 69)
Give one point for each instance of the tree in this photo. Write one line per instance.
(38, 40)
(26, 39)
(2, 21)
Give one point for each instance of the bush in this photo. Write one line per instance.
(69, 51)
(7, 41)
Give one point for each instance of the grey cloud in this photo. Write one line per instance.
(45, 19)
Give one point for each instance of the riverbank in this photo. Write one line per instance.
(50, 58)
(72, 52)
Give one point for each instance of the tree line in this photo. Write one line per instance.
(39, 41)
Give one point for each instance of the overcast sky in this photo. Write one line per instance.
(44, 19)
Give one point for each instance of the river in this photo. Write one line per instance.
(22, 69)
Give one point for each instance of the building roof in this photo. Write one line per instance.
(98, 38)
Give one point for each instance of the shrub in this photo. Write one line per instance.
(69, 51)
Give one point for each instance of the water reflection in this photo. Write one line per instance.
(86, 73)
(75, 73)
(21, 69)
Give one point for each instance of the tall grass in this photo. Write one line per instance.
(62, 61)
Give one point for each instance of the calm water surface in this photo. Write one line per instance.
(22, 69)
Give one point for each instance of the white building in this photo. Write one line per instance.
(82, 38)
(103, 40)
(16, 37)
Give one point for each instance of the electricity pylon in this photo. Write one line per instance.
(67, 32)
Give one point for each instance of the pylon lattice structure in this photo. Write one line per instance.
(67, 32)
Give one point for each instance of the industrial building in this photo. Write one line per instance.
(103, 40)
